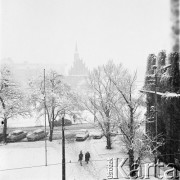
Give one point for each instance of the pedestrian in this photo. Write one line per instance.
(80, 157)
(87, 157)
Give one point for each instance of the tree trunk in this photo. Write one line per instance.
(131, 159)
(5, 122)
(108, 140)
(51, 134)
(51, 129)
(108, 137)
(131, 151)
(5, 130)
(131, 125)
(52, 122)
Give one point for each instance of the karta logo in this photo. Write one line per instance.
(115, 170)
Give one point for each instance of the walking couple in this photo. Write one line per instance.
(87, 157)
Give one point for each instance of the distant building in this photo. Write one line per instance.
(24, 71)
(78, 67)
(76, 77)
(78, 73)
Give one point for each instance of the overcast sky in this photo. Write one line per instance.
(46, 31)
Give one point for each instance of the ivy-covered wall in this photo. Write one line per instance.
(163, 73)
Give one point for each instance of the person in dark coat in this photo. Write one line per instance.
(87, 157)
(80, 157)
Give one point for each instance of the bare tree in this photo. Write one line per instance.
(128, 112)
(100, 102)
(60, 100)
(12, 99)
(126, 117)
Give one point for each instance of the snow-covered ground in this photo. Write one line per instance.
(26, 160)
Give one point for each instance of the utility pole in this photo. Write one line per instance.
(45, 120)
(63, 152)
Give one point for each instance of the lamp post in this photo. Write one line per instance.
(63, 152)
(45, 120)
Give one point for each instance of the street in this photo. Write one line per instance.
(26, 160)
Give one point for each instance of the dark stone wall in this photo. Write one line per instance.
(168, 104)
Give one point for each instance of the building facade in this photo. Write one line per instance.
(78, 73)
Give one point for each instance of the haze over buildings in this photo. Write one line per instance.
(45, 31)
(75, 76)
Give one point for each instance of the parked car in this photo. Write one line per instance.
(82, 135)
(36, 135)
(1, 136)
(67, 122)
(16, 135)
(97, 135)
(113, 133)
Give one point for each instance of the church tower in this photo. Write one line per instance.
(76, 54)
(78, 67)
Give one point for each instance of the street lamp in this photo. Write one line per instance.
(45, 118)
(63, 152)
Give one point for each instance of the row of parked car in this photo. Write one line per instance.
(96, 134)
(18, 135)
(84, 134)
(38, 134)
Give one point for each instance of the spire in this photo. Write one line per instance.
(76, 48)
(78, 67)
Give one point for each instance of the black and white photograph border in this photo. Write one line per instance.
(89, 89)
